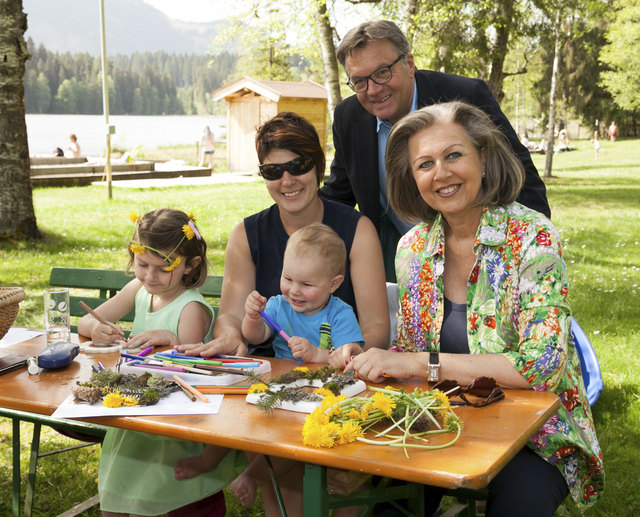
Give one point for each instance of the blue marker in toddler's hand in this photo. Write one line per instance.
(275, 326)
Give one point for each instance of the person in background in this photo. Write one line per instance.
(208, 146)
(613, 132)
(563, 141)
(377, 58)
(73, 149)
(596, 144)
(496, 307)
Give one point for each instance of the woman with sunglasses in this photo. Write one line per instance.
(483, 292)
(293, 165)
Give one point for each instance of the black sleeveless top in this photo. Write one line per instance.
(453, 334)
(268, 239)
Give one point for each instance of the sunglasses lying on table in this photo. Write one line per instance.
(481, 392)
(296, 167)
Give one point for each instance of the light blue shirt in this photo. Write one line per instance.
(383, 128)
(336, 320)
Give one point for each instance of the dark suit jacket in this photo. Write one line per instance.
(354, 170)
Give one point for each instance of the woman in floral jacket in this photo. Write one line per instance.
(482, 283)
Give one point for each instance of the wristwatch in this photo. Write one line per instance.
(433, 372)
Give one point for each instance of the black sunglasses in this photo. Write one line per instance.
(484, 391)
(296, 167)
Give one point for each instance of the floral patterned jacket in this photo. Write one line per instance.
(516, 306)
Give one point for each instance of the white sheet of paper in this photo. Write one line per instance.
(175, 404)
(18, 335)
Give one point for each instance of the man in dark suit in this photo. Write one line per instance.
(378, 61)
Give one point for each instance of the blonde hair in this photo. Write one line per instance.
(321, 241)
(503, 177)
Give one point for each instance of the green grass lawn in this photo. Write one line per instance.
(595, 205)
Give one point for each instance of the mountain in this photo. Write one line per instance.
(131, 26)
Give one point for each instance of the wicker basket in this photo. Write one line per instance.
(10, 298)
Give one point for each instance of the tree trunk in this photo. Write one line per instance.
(408, 12)
(17, 217)
(502, 25)
(329, 61)
(552, 99)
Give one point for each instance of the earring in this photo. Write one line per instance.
(483, 173)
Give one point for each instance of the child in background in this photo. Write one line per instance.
(313, 268)
(168, 256)
(596, 144)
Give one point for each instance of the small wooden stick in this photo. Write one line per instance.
(190, 388)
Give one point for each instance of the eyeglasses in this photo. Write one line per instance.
(484, 391)
(380, 76)
(296, 167)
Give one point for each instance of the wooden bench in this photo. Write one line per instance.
(102, 284)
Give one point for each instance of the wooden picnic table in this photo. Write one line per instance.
(492, 435)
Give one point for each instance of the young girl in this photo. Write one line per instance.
(168, 255)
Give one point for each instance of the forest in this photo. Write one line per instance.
(149, 83)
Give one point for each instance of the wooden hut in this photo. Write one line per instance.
(251, 102)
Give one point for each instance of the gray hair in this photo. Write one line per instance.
(503, 176)
(372, 31)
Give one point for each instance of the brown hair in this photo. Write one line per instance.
(291, 132)
(162, 229)
(366, 32)
(503, 176)
(320, 241)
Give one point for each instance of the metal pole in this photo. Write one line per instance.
(105, 99)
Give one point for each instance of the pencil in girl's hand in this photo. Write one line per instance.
(98, 317)
(275, 326)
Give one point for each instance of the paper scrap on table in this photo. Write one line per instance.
(174, 404)
(18, 335)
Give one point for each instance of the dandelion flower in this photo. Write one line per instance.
(134, 217)
(113, 400)
(191, 216)
(323, 392)
(349, 432)
(137, 249)
(188, 231)
(366, 409)
(129, 401)
(383, 403)
(258, 388)
(176, 262)
(354, 414)
(302, 369)
(441, 398)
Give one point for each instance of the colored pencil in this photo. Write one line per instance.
(189, 395)
(192, 390)
(275, 326)
(98, 317)
(223, 390)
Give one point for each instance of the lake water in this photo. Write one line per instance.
(46, 132)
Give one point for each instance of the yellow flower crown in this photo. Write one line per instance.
(189, 230)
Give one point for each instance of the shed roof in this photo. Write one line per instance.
(272, 90)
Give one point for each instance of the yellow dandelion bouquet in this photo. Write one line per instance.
(287, 391)
(401, 419)
(116, 389)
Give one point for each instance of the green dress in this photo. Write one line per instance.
(136, 469)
